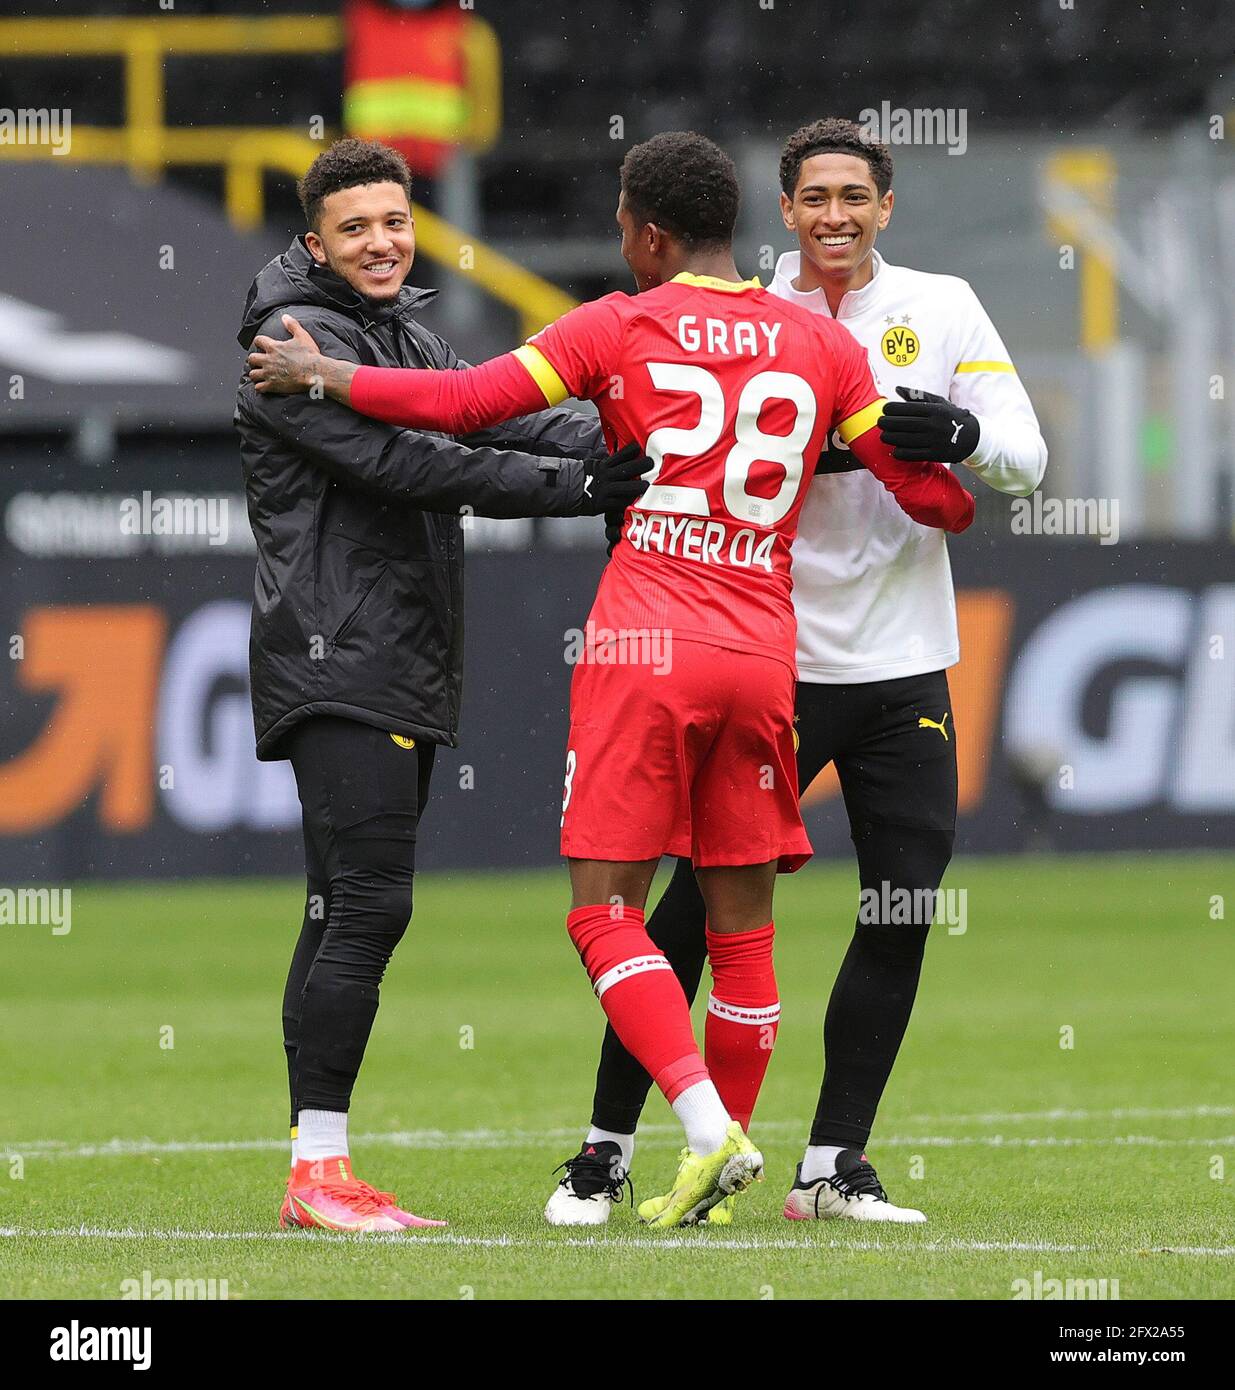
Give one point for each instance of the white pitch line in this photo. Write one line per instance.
(910, 1245)
(484, 1137)
(653, 1135)
(496, 1138)
(1130, 1112)
(499, 1138)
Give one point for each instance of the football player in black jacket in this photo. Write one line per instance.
(357, 641)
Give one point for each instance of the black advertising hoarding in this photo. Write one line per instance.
(1094, 705)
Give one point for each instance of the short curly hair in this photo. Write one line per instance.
(349, 163)
(833, 135)
(685, 184)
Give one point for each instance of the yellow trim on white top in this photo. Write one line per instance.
(986, 367)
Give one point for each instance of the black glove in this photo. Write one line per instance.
(927, 428)
(613, 483)
(614, 521)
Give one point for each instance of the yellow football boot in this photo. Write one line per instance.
(704, 1181)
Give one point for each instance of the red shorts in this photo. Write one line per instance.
(693, 756)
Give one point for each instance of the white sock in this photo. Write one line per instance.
(321, 1134)
(704, 1116)
(820, 1162)
(625, 1142)
(295, 1147)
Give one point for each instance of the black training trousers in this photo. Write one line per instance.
(898, 779)
(362, 792)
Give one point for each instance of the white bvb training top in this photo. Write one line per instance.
(872, 589)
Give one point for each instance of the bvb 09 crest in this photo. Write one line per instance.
(900, 345)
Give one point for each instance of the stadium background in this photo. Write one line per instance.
(1089, 202)
(142, 1105)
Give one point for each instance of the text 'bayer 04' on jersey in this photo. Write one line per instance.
(734, 393)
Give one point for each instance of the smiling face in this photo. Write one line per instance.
(836, 212)
(366, 235)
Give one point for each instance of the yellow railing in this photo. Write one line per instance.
(1091, 173)
(148, 145)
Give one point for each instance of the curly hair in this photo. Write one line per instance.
(685, 184)
(833, 135)
(349, 163)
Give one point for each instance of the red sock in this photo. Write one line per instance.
(639, 993)
(743, 1015)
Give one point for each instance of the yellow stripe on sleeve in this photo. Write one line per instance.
(543, 373)
(861, 422)
(986, 367)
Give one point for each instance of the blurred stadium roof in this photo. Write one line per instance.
(119, 300)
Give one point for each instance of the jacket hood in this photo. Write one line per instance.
(296, 278)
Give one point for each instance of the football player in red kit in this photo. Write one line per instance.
(681, 733)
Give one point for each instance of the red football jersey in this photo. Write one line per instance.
(733, 392)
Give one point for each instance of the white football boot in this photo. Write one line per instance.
(591, 1188)
(854, 1193)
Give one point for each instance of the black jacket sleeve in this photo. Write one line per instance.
(429, 471)
(557, 432)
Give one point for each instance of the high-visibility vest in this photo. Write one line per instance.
(406, 80)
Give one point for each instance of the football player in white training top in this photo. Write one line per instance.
(877, 631)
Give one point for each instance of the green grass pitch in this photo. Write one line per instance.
(1112, 1158)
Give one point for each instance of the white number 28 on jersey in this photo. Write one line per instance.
(751, 442)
